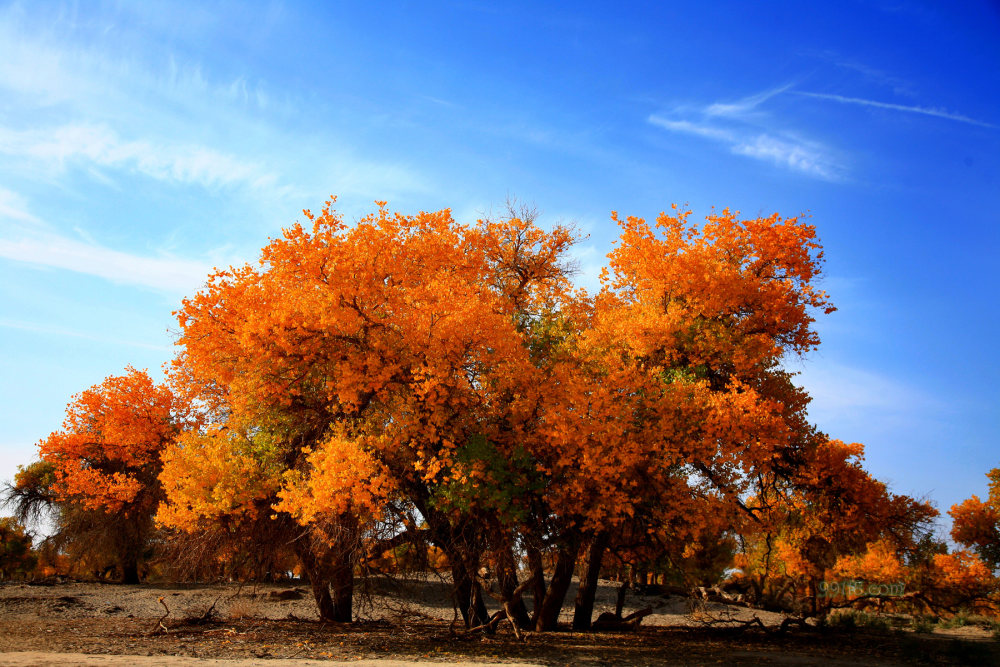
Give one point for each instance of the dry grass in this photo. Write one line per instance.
(243, 607)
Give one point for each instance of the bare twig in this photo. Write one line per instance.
(160, 627)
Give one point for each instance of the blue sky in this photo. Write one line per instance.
(143, 143)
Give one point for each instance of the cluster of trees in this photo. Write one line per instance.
(414, 386)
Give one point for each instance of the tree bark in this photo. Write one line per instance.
(326, 570)
(548, 617)
(507, 581)
(319, 580)
(130, 571)
(463, 558)
(321, 593)
(538, 582)
(468, 594)
(620, 599)
(584, 606)
(342, 582)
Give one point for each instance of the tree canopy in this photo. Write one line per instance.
(410, 379)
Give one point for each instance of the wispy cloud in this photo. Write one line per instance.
(869, 74)
(745, 105)
(13, 207)
(807, 157)
(56, 331)
(800, 156)
(50, 61)
(98, 145)
(166, 274)
(926, 111)
(847, 400)
(744, 128)
(106, 105)
(589, 262)
(687, 127)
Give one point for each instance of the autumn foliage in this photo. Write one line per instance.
(412, 386)
(977, 523)
(100, 471)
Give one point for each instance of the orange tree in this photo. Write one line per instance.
(692, 322)
(353, 367)
(976, 523)
(410, 361)
(100, 471)
(829, 520)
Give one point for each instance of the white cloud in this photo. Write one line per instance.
(13, 207)
(368, 181)
(167, 274)
(746, 105)
(116, 103)
(688, 127)
(807, 157)
(52, 62)
(738, 126)
(846, 395)
(937, 113)
(877, 76)
(100, 146)
(794, 155)
(30, 68)
(54, 331)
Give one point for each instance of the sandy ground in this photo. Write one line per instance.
(428, 598)
(40, 659)
(399, 623)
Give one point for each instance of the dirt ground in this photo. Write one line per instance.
(412, 621)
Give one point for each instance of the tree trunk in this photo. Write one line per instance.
(468, 595)
(620, 599)
(584, 606)
(342, 582)
(129, 545)
(562, 577)
(507, 581)
(538, 582)
(459, 544)
(130, 571)
(322, 572)
(321, 593)
(319, 580)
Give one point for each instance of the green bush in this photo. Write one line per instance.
(850, 619)
(959, 620)
(17, 558)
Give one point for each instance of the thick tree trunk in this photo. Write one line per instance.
(319, 580)
(537, 583)
(620, 599)
(548, 617)
(584, 607)
(323, 572)
(468, 594)
(130, 571)
(457, 542)
(342, 582)
(507, 581)
(129, 543)
(321, 593)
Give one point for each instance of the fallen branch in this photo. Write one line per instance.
(490, 625)
(205, 617)
(159, 623)
(615, 623)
